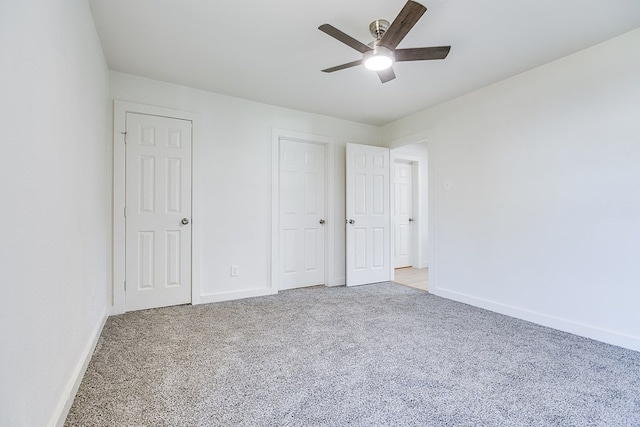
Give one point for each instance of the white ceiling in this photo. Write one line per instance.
(272, 52)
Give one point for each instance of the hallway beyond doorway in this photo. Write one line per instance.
(414, 277)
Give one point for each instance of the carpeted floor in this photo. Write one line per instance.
(374, 355)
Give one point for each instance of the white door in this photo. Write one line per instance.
(402, 213)
(158, 211)
(302, 214)
(368, 226)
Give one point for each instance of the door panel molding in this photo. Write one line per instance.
(158, 193)
(120, 110)
(368, 247)
(302, 208)
(280, 135)
(404, 213)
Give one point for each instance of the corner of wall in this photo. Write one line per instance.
(71, 388)
(562, 324)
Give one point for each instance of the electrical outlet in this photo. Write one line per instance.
(235, 270)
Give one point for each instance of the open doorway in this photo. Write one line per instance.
(409, 194)
(413, 277)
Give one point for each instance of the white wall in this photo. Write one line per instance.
(54, 221)
(543, 221)
(232, 177)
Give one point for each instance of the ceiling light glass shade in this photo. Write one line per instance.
(378, 62)
(380, 58)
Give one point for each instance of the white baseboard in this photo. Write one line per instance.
(64, 405)
(228, 296)
(610, 337)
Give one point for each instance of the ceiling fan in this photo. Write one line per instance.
(380, 55)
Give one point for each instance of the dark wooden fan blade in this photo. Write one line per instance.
(386, 75)
(343, 66)
(421, 53)
(344, 38)
(404, 22)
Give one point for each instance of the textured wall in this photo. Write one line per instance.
(543, 218)
(55, 220)
(232, 177)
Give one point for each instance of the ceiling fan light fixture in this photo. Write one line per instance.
(377, 59)
(380, 55)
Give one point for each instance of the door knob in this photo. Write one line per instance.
(321, 221)
(410, 219)
(184, 221)
(351, 221)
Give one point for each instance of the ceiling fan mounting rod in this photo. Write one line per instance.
(378, 27)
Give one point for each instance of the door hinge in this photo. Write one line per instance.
(125, 136)
(125, 211)
(125, 285)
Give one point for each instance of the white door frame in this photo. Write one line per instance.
(416, 255)
(329, 253)
(425, 137)
(120, 110)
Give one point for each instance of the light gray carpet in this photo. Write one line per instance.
(366, 356)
